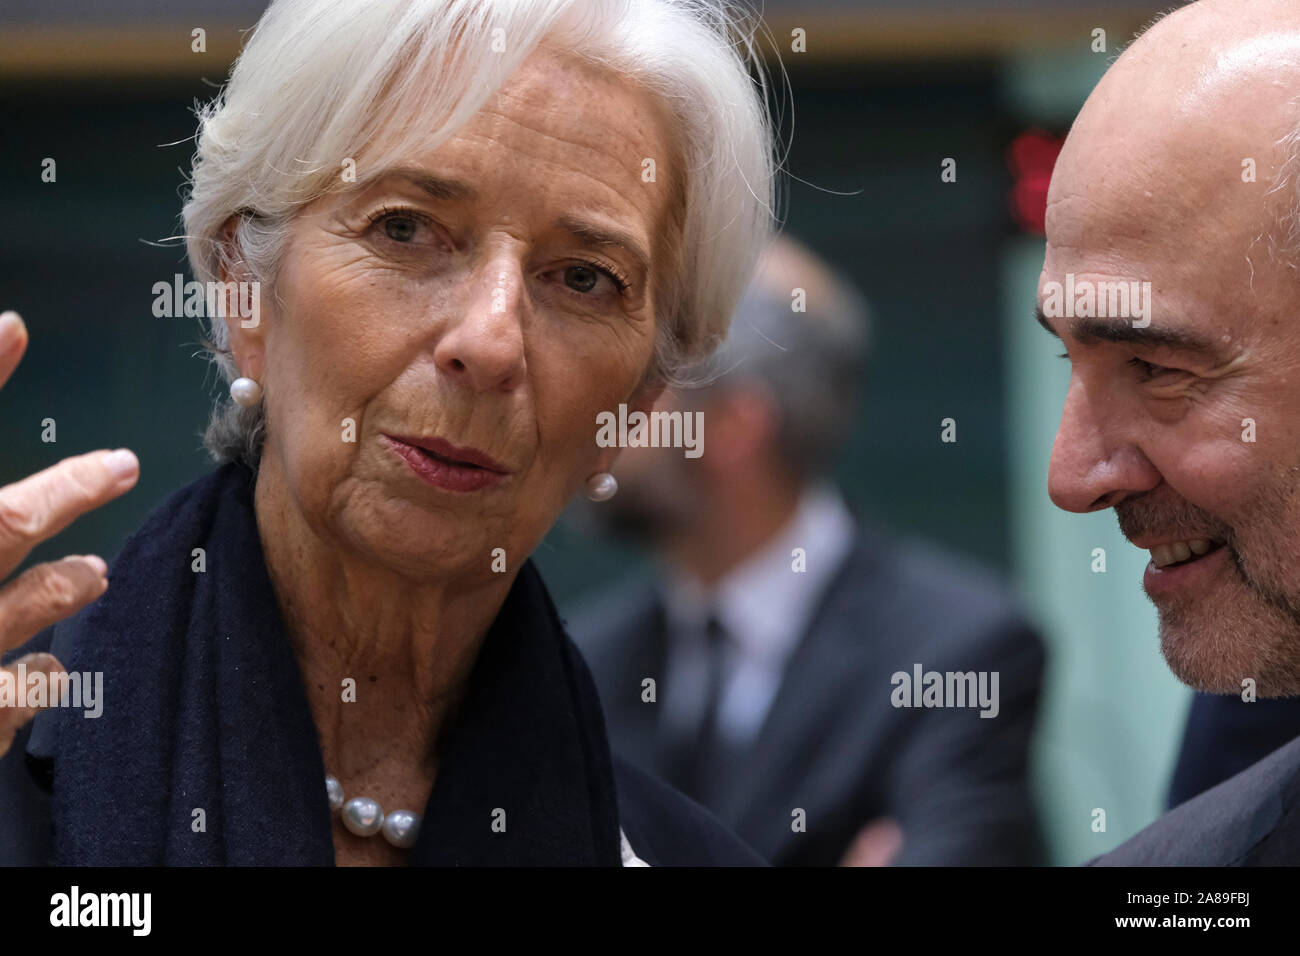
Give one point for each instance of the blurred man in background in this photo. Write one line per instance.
(761, 672)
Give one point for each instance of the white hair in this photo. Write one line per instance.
(1284, 232)
(324, 81)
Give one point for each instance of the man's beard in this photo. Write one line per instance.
(1215, 641)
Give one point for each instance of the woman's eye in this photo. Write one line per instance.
(400, 225)
(581, 278)
(400, 228)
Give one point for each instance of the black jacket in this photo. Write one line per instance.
(206, 754)
(1251, 819)
(1225, 735)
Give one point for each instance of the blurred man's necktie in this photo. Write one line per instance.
(698, 757)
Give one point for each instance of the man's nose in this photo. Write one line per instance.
(1095, 461)
(483, 345)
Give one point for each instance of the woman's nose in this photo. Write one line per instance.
(483, 345)
(1095, 461)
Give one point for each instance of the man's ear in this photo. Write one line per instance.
(642, 400)
(241, 300)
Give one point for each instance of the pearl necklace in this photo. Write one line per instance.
(365, 817)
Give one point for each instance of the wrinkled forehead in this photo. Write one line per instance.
(555, 96)
(1126, 178)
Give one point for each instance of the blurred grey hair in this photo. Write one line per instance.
(324, 81)
(811, 363)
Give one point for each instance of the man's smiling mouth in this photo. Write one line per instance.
(1176, 553)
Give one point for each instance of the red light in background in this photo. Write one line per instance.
(1031, 158)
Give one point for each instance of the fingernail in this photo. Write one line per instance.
(122, 463)
(96, 562)
(11, 330)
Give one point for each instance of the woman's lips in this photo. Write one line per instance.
(455, 454)
(446, 466)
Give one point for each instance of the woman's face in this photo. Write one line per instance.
(474, 302)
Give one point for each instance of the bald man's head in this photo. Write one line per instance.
(1188, 130)
(1176, 188)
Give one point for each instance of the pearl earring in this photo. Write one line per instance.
(245, 392)
(601, 486)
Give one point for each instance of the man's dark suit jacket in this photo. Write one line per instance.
(832, 743)
(1253, 819)
(1225, 735)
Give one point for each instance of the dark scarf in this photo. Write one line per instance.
(204, 708)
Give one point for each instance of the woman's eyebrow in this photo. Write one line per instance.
(449, 189)
(601, 234)
(445, 188)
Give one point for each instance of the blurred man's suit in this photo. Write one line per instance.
(772, 700)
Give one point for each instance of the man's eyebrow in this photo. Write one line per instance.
(1042, 320)
(1091, 330)
(607, 235)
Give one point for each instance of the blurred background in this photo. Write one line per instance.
(882, 95)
